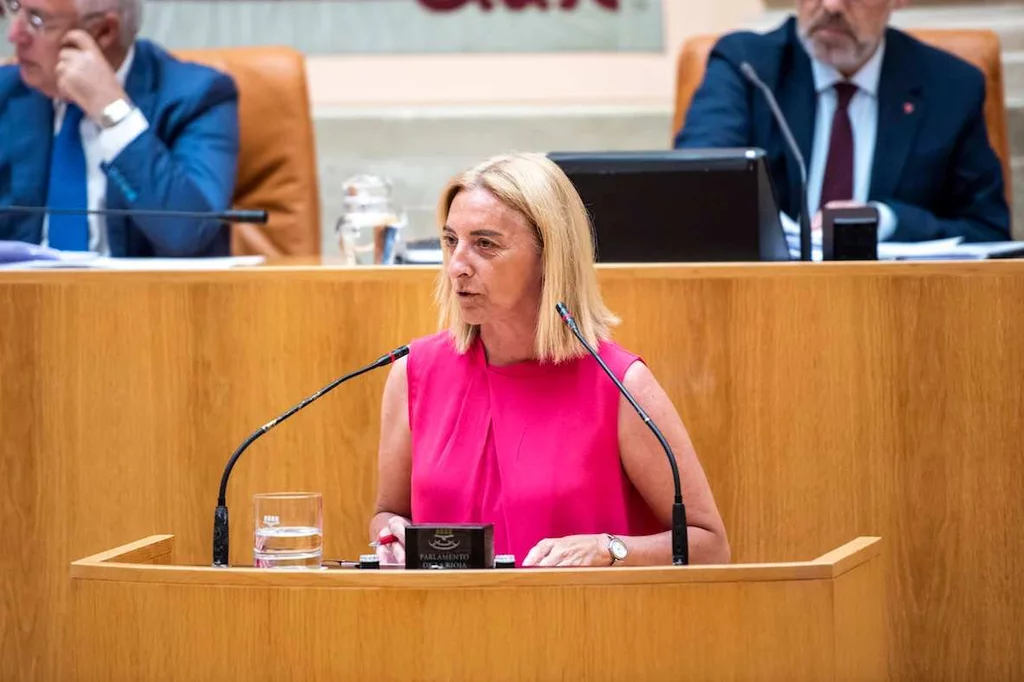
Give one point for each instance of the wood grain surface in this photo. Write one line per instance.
(756, 623)
(825, 402)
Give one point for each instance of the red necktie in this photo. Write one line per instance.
(838, 181)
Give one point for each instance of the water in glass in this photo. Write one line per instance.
(370, 229)
(289, 530)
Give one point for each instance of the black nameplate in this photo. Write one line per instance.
(449, 547)
(849, 233)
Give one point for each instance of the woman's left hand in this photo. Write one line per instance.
(572, 550)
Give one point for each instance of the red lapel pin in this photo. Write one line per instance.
(908, 107)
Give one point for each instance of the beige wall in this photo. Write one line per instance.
(510, 80)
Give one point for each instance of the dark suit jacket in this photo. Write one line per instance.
(185, 161)
(933, 163)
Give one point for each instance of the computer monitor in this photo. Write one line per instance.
(678, 206)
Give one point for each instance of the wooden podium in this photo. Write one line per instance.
(139, 616)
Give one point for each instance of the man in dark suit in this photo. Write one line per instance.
(881, 118)
(91, 117)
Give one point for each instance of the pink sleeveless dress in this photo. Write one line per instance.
(531, 448)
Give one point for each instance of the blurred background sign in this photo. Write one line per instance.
(409, 26)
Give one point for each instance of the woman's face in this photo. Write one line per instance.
(494, 260)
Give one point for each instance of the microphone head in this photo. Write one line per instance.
(563, 312)
(391, 357)
(256, 217)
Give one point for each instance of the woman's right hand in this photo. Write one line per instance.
(393, 552)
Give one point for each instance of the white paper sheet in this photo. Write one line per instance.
(94, 262)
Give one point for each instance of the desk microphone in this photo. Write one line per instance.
(258, 217)
(805, 221)
(220, 517)
(680, 542)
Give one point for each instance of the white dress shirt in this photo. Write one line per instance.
(863, 113)
(101, 146)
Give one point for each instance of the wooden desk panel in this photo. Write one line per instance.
(779, 622)
(825, 402)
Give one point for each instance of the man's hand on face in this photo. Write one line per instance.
(84, 76)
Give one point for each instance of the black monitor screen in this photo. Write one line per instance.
(678, 206)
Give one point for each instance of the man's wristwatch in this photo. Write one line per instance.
(115, 112)
(617, 548)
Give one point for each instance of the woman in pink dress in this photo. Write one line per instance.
(504, 418)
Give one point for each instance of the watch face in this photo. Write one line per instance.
(617, 548)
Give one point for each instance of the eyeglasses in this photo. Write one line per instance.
(37, 22)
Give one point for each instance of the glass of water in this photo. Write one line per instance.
(289, 530)
(370, 229)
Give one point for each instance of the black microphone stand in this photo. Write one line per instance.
(220, 515)
(680, 541)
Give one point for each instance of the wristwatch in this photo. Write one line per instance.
(617, 548)
(115, 112)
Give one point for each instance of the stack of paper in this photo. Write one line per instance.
(953, 248)
(22, 256)
(949, 249)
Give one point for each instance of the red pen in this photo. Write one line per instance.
(384, 540)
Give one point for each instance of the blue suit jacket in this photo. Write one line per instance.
(933, 163)
(185, 161)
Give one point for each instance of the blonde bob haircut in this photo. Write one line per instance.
(536, 188)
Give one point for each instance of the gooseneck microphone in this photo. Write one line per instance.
(805, 221)
(257, 217)
(220, 516)
(680, 541)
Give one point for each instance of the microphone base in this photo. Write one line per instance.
(806, 249)
(680, 541)
(220, 536)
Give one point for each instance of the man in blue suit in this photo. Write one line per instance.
(882, 119)
(92, 117)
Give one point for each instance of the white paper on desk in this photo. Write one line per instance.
(63, 259)
(94, 262)
(14, 251)
(175, 263)
(980, 250)
(936, 248)
(953, 249)
(792, 232)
